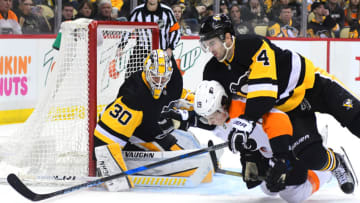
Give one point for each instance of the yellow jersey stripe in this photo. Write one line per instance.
(264, 63)
(299, 92)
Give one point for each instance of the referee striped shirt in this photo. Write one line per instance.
(169, 29)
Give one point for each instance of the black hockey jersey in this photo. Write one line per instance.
(133, 116)
(264, 74)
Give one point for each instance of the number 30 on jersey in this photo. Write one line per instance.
(122, 115)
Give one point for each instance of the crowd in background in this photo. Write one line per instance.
(274, 18)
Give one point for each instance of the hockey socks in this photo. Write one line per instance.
(340, 169)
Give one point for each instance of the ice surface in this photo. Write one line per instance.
(223, 188)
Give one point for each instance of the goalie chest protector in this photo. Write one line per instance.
(137, 96)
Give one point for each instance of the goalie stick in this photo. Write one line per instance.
(21, 188)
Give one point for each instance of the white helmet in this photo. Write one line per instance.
(209, 97)
(158, 70)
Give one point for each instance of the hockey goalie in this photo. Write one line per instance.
(128, 135)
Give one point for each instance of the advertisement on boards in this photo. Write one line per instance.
(20, 61)
(191, 60)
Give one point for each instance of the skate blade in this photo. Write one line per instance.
(353, 174)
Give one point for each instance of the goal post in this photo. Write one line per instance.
(93, 32)
(93, 61)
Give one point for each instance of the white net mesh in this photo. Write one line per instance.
(54, 141)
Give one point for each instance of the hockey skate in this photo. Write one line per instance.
(344, 173)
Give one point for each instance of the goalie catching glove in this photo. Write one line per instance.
(241, 130)
(172, 117)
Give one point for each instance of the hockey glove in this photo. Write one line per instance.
(171, 118)
(275, 180)
(242, 128)
(254, 167)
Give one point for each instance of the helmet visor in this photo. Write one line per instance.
(210, 44)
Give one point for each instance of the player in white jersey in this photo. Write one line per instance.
(258, 153)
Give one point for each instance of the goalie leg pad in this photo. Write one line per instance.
(186, 139)
(109, 161)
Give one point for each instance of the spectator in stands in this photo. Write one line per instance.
(208, 12)
(322, 25)
(184, 28)
(276, 9)
(240, 26)
(8, 19)
(67, 11)
(284, 25)
(224, 7)
(336, 13)
(190, 11)
(86, 10)
(258, 11)
(235, 2)
(67, 14)
(202, 11)
(31, 20)
(352, 14)
(274, 12)
(104, 11)
(182, 4)
(190, 15)
(125, 10)
(206, 2)
(117, 6)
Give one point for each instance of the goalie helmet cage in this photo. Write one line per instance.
(93, 60)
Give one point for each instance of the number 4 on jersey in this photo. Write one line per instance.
(263, 57)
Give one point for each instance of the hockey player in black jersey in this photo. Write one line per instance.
(130, 121)
(252, 67)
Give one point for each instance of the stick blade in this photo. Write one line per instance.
(214, 159)
(19, 186)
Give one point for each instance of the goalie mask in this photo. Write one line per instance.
(210, 97)
(158, 70)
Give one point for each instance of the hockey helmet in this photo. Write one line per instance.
(216, 26)
(210, 96)
(158, 70)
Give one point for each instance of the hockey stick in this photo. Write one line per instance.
(215, 163)
(217, 169)
(21, 188)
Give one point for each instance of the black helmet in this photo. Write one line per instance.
(216, 26)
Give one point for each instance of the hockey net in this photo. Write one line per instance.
(94, 58)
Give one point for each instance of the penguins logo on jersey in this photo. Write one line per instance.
(348, 104)
(241, 87)
(305, 105)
